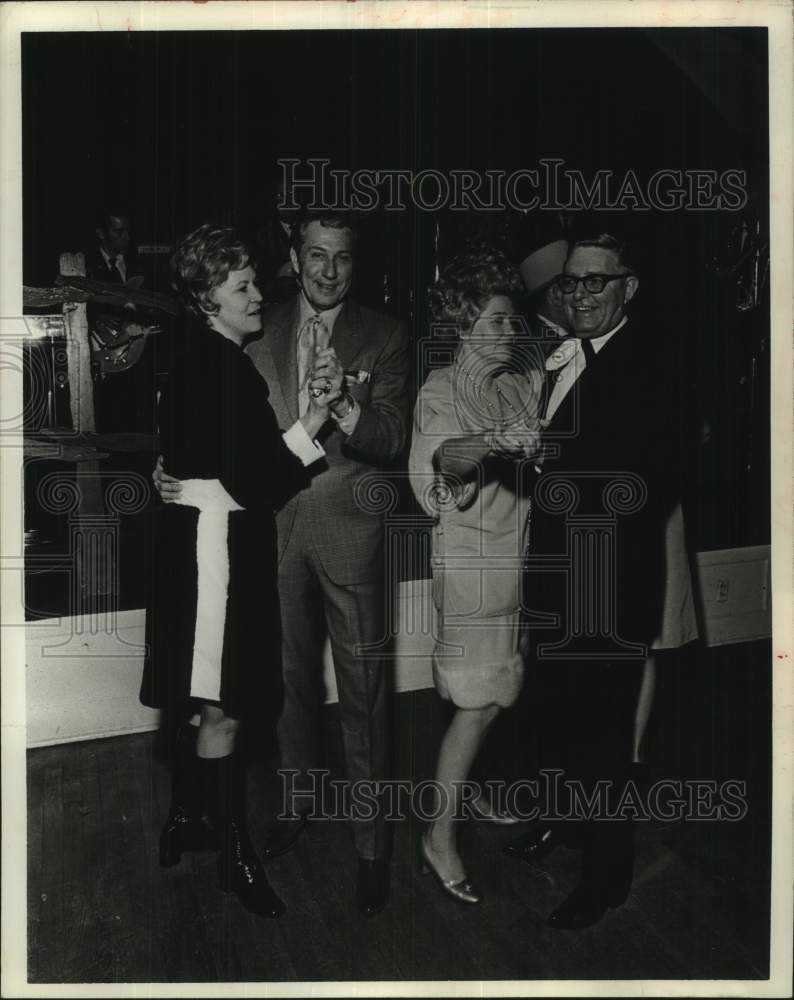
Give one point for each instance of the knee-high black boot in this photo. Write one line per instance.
(186, 828)
(239, 868)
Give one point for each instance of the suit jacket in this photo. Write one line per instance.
(341, 510)
(623, 415)
(97, 268)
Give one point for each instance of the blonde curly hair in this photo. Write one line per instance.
(465, 286)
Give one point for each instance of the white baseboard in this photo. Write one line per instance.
(83, 674)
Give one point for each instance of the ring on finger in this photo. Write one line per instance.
(318, 391)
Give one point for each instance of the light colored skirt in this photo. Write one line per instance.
(679, 624)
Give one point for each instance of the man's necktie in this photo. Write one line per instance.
(117, 264)
(313, 335)
(588, 351)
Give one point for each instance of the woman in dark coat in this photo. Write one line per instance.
(214, 625)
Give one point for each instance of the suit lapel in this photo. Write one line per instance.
(348, 339)
(602, 377)
(283, 349)
(280, 341)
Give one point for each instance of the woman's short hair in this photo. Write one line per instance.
(467, 283)
(202, 261)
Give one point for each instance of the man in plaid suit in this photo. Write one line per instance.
(331, 565)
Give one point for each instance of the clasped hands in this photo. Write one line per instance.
(325, 388)
(520, 438)
(326, 378)
(327, 385)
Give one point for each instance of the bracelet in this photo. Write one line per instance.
(350, 404)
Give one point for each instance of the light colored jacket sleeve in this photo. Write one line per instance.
(434, 422)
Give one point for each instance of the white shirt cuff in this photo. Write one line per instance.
(207, 495)
(348, 422)
(299, 443)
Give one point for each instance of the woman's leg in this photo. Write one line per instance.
(185, 828)
(459, 747)
(239, 868)
(217, 733)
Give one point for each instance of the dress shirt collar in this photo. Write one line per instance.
(598, 342)
(570, 347)
(116, 263)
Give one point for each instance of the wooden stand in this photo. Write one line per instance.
(94, 565)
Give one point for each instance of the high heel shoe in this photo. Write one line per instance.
(500, 818)
(463, 891)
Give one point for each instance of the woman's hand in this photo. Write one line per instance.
(327, 372)
(319, 410)
(325, 388)
(170, 489)
(518, 440)
(321, 403)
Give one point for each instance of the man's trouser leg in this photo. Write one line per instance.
(356, 617)
(303, 638)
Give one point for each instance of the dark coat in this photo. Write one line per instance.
(606, 491)
(621, 423)
(216, 423)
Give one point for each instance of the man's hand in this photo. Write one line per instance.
(319, 405)
(328, 370)
(134, 330)
(170, 489)
(516, 441)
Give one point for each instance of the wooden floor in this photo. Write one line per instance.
(101, 910)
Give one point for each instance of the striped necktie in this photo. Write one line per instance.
(313, 336)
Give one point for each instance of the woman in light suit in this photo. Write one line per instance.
(474, 422)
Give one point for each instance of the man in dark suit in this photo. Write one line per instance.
(113, 259)
(121, 338)
(331, 566)
(608, 481)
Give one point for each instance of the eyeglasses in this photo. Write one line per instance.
(593, 283)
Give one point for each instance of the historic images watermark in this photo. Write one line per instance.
(549, 797)
(549, 186)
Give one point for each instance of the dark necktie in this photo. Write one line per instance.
(588, 351)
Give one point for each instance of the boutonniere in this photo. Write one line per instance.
(360, 377)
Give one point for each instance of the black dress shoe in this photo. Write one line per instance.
(372, 887)
(535, 845)
(282, 835)
(587, 904)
